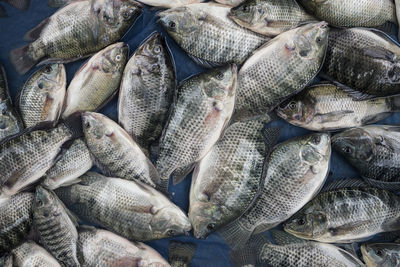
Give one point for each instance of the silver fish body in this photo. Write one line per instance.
(279, 69)
(101, 248)
(147, 91)
(131, 209)
(202, 111)
(55, 228)
(30, 254)
(42, 97)
(97, 81)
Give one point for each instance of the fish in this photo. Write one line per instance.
(369, 13)
(270, 17)
(103, 248)
(326, 107)
(58, 3)
(346, 215)
(55, 228)
(228, 178)
(31, 254)
(41, 98)
(10, 121)
(397, 5)
(180, 254)
(169, 3)
(295, 171)
(25, 158)
(97, 81)
(115, 152)
(202, 111)
(279, 69)
(208, 35)
(76, 31)
(231, 3)
(19, 4)
(291, 252)
(147, 91)
(16, 220)
(374, 151)
(353, 53)
(381, 254)
(76, 161)
(130, 209)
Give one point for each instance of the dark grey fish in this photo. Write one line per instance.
(30, 254)
(180, 254)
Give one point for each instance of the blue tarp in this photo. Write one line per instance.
(211, 251)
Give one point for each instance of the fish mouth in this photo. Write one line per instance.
(322, 24)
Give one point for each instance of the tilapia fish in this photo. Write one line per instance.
(42, 97)
(228, 178)
(296, 170)
(292, 253)
(381, 254)
(206, 33)
(200, 114)
(16, 220)
(180, 254)
(147, 91)
(56, 230)
(346, 215)
(374, 151)
(270, 17)
(97, 81)
(75, 31)
(10, 122)
(326, 107)
(115, 151)
(75, 162)
(352, 13)
(25, 158)
(106, 249)
(170, 3)
(131, 209)
(30, 254)
(353, 53)
(279, 69)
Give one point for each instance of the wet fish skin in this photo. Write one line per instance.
(326, 107)
(115, 151)
(16, 220)
(42, 97)
(270, 17)
(296, 170)
(112, 202)
(94, 26)
(180, 254)
(227, 179)
(31, 254)
(58, 3)
(279, 69)
(97, 81)
(353, 53)
(147, 91)
(381, 254)
(366, 13)
(346, 215)
(103, 248)
(169, 3)
(75, 162)
(205, 32)
(373, 150)
(202, 111)
(61, 240)
(10, 121)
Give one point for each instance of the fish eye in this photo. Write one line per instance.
(155, 67)
(40, 85)
(3, 111)
(211, 226)
(347, 149)
(118, 58)
(319, 39)
(171, 233)
(246, 8)
(47, 69)
(39, 202)
(316, 139)
(157, 49)
(379, 252)
(301, 221)
(171, 24)
(292, 105)
(87, 125)
(127, 14)
(220, 76)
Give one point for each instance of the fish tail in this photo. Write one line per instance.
(248, 254)
(21, 59)
(74, 124)
(235, 235)
(181, 251)
(20, 4)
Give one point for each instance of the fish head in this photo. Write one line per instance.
(7, 118)
(249, 12)
(51, 78)
(381, 254)
(316, 148)
(297, 110)
(356, 145)
(114, 58)
(181, 22)
(96, 128)
(168, 222)
(311, 41)
(206, 217)
(220, 83)
(43, 204)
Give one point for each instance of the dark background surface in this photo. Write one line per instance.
(211, 251)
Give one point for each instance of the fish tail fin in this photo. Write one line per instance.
(248, 254)
(21, 59)
(74, 124)
(235, 235)
(19, 4)
(181, 251)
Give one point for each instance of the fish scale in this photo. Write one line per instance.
(31, 254)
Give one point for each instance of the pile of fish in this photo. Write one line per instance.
(332, 67)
